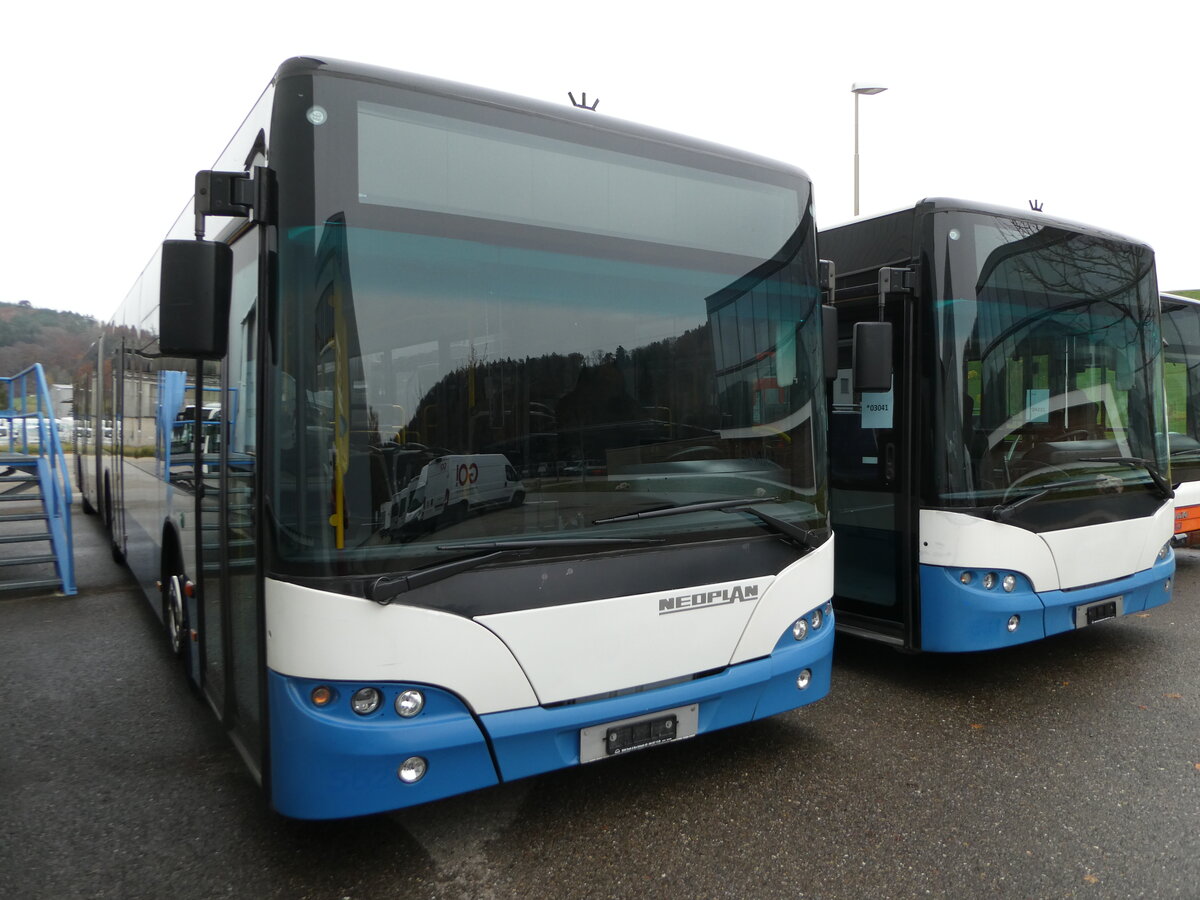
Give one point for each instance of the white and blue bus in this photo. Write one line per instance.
(998, 450)
(508, 439)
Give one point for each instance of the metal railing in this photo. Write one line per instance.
(29, 407)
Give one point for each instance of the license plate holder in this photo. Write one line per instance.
(1099, 611)
(637, 733)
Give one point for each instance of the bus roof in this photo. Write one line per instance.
(307, 65)
(946, 204)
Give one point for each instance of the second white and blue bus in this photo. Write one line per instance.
(999, 454)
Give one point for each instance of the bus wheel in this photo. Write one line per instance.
(110, 523)
(175, 614)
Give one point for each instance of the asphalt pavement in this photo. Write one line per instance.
(1067, 768)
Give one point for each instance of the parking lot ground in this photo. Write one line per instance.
(1067, 768)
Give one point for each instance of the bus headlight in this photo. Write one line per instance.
(412, 770)
(322, 695)
(804, 679)
(410, 703)
(800, 629)
(817, 619)
(965, 577)
(1164, 552)
(1014, 622)
(1009, 583)
(989, 580)
(365, 701)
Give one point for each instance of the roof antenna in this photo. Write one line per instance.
(1035, 205)
(583, 104)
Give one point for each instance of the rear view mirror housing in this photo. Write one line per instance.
(872, 357)
(195, 286)
(829, 337)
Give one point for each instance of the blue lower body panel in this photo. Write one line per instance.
(535, 740)
(957, 617)
(330, 763)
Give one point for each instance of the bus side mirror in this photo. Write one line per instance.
(193, 300)
(873, 357)
(829, 339)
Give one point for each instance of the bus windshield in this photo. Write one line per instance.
(1049, 363)
(521, 335)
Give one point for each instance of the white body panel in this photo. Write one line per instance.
(314, 634)
(1053, 560)
(623, 642)
(798, 589)
(520, 659)
(1187, 494)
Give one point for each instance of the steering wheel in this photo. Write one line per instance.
(1074, 434)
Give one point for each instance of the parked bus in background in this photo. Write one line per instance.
(397, 270)
(1181, 337)
(998, 457)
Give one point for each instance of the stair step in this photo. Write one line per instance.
(18, 497)
(24, 538)
(26, 517)
(22, 585)
(27, 560)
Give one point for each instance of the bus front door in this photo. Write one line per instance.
(871, 472)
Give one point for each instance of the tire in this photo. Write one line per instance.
(175, 615)
(109, 521)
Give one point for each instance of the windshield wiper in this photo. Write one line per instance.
(685, 508)
(501, 546)
(386, 589)
(1002, 511)
(1164, 488)
(806, 539)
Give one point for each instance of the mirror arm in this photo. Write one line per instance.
(894, 281)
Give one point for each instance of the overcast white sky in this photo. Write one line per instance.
(1090, 107)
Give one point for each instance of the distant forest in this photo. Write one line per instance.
(57, 340)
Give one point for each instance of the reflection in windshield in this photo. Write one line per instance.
(1051, 360)
(446, 390)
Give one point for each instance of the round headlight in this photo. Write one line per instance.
(1013, 622)
(989, 580)
(804, 679)
(817, 619)
(1164, 552)
(409, 703)
(412, 770)
(365, 701)
(1009, 583)
(800, 629)
(965, 577)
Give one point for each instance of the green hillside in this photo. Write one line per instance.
(57, 340)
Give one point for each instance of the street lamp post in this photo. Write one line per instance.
(860, 87)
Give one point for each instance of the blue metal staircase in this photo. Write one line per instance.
(35, 488)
